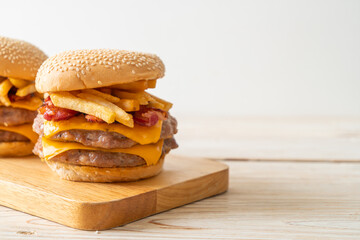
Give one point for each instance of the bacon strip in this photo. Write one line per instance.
(149, 116)
(14, 98)
(53, 113)
(91, 118)
(145, 116)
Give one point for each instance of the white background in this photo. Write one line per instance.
(222, 57)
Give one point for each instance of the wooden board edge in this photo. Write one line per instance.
(107, 215)
(79, 215)
(38, 203)
(150, 203)
(210, 185)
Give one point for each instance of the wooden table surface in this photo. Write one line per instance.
(290, 178)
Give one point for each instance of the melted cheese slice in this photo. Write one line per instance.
(150, 153)
(25, 130)
(139, 134)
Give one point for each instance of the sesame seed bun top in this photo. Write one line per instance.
(19, 59)
(82, 69)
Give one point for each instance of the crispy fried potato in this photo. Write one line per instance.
(156, 103)
(148, 97)
(120, 115)
(151, 83)
(5, 87)
(40, 95)
(137, 86)
(105, 90)
(140, 96)
(106, 96)
(69, 101)
(19, 83)
(129, 105)
(32, 104)
(22, 92)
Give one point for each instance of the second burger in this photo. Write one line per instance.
(19, 62)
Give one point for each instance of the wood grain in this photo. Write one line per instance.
(270, 138)
(97, 206)
(266, 200)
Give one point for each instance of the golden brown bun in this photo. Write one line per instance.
(19, 59)
(16, 149)
(82, 69)
(95, 174)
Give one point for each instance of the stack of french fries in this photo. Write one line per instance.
(24, 88)
(111, 103)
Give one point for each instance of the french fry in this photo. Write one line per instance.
(105, 90)
(137, 86)
(22, 92)
(155, 104)
(5, 87)
(19, 83)
(148, 97)
(69, 101)
(133, 86)
(32, 104)
(129, 105)
(151, 83)
(40, 95)
(167, 105)
(106, 96)
(140, 96)
(120, 115)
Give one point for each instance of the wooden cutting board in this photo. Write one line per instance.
(28, 185)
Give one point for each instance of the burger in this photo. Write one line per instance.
(19, 62)
(98, 123)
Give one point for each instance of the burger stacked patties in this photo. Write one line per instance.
(98, 123)
(19, 62)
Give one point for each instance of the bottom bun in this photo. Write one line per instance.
(16, 149)
(95, 174)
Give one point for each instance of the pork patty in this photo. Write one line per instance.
(101, 139)
(107, 159)
(6, 136)
(15, 116)
(38, 150)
